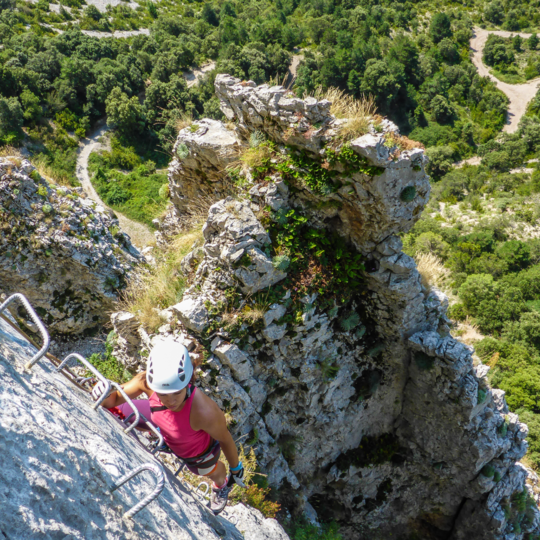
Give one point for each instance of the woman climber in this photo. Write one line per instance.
(192, 425)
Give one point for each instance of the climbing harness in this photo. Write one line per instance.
(154, 468)
(37, 322)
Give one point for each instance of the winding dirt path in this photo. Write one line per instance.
(140, 235)
(519, 94)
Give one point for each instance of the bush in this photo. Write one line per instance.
(457, 312)
(303, 530)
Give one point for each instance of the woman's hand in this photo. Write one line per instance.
(238, 474)
(99, 390)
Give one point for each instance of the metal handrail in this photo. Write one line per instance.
(37, 321)
(93, 369)
(160, 482)
(138, 417)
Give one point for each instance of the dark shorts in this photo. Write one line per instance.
(207, 463)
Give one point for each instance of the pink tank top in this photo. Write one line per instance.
(181, 438)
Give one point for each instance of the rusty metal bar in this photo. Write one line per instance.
(37, 321)
(154, 468)
(93, 369)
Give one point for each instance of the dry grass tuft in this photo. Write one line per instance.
(49, 173)
(431, 269)
(183, 122)
(152, 289)
(197, 213)
(10, 151)
(251, 157)
(403, 143)
(357, 112)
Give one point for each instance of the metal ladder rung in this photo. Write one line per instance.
(37, 321)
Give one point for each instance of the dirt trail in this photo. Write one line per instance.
(193, 75)
(140, 235)
(519, 94)
(293, 68)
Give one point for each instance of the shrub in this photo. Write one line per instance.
(108, 365)
(349, 322)
(457, 312)
(281, 262)
(182, 151)
(160, 286)
(303, 530)
(488, 471)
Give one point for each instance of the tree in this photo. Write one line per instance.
(11, 119)
(439, 27)
(379, 82)
(448, 50)
(517, 254)
(152, 9)
(441, 109)
(92, 12)
(517, 42)
(494, 12)
(209, 14)
(31, 106)
(440, 160)
(496, 52)
(124, 113)
(532, 42)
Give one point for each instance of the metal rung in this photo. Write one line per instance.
(207, 490)
(157, 470)
(41, 327)
(93, 369)
(138, 416)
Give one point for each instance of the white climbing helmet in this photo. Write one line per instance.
(169, 367)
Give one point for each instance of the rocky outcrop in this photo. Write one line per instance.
(330, 356)
(60, 458)
(62, 251)
(197, 172)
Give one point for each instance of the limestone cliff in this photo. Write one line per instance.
(59, 458)
(332, 358)
(61, 250)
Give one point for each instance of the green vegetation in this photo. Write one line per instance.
(303, 530)
(107, 364)
(514, 60)
(135, 189)
(373, 450)
(485, 237)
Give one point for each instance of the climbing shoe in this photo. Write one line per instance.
(219, 498)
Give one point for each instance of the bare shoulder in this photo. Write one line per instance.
(204, 411)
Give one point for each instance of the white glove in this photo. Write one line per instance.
(238, 475)
(99, 390)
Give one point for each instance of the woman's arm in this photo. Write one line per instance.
(206, 415)
(133, 389)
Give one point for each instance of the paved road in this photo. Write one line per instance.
(519, 94)
(140, 234)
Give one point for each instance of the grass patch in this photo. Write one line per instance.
(509, 78)
(303, 530)
(357, 112)
(159, 287)
(431, 269)
(108, 365)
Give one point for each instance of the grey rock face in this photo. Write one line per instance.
(366, 406)
(63, 252)
(60, 457)
(201, 154)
